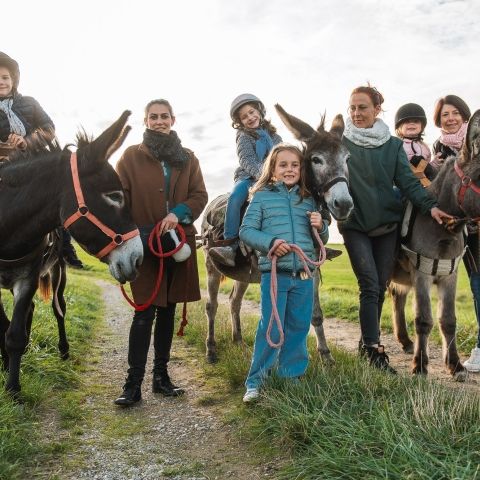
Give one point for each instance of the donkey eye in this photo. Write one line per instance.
(318, 160)
(115, 198)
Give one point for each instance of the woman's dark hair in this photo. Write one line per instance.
(457, 102)
(159, 101)
(372, 92)
(264, 123)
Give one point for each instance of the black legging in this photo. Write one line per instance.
(372, 259)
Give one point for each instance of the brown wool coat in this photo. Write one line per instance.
(143, 181)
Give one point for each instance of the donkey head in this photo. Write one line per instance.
(105, 199)
(468, 160)
(326, 161)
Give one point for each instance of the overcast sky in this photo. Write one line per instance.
(88, 61)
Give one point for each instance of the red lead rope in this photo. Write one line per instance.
(158, 252)
(273, 283)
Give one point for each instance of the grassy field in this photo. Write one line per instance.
(345, 422)
(48, 383)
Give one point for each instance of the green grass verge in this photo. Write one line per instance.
(48, 383)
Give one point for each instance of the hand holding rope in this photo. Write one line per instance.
(275, 316)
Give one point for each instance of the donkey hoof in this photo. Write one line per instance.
(419, 371)
(327, 359)
(212, 358)
(408, 348)
(64, 355)
(460, 376)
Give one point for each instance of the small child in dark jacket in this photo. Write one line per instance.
(20, 118)
(255, 138)
(282, 212)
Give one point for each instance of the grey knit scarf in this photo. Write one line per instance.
(16, 125)
(367, 137)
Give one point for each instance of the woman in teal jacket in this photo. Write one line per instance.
(377, 162)
(281, 213)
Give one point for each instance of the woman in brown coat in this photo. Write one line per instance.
(163, 183)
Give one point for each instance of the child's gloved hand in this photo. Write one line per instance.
(315, 220)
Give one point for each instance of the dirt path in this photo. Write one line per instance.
(182, 438)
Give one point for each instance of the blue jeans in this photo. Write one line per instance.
(372, 259)
(295, 304)
(235, 202)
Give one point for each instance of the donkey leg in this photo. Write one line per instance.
(16, 339)
(4, 324)
(59, 279)
(423, 323)
(236, 297)
(399, 300)
(213, 283)
(317, 322)
(448, 322)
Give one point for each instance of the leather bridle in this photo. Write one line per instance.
(84, 212)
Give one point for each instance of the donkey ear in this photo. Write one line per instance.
(338, 126)
(112, 138)
(473, 134)
(300, 130)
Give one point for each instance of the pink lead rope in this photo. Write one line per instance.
(274, 286)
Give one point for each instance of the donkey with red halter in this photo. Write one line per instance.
(327, 180)
(431, 253)
(43, 191)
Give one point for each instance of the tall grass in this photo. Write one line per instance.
(46, 380)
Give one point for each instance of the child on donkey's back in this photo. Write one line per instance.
(282, 212)
(410, 123)
(255, 138)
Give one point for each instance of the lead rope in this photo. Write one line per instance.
(274, 286)
(158, 252)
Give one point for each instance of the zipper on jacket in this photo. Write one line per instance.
(294, 262)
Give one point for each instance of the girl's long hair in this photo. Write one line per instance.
(266, 178)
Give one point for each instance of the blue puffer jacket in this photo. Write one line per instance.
(278, 213)
(29, 112)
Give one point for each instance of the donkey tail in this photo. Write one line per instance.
(45, 287)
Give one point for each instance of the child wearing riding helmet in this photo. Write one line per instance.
(282, 212)
(410, 123)
(20, 118)
(451, 115)
(256, 136)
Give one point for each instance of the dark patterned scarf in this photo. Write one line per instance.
(166, 148)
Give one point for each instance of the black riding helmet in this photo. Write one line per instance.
(12, 66)
(410, 111)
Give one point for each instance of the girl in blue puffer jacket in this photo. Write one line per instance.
(282, 212)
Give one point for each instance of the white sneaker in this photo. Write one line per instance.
(251, 395)
(473, 363)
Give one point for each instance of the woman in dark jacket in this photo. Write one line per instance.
(164, 184)
(377, 162)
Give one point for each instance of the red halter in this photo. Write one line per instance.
(83, 211)
(466, 183)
